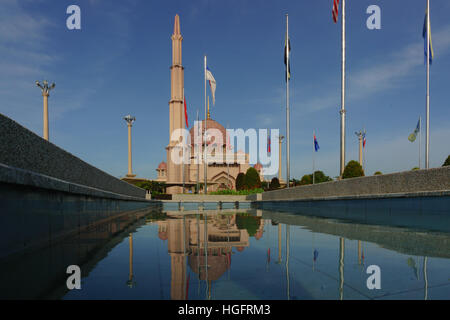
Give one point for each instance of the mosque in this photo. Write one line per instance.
(219, 175)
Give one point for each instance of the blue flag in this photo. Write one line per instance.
(316, 144)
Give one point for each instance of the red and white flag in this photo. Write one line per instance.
(335, 10)
(185, 112)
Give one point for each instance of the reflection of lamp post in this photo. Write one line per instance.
(45, 93)
(129, 119)
(130, 282)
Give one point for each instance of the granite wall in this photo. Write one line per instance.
(408, 183)
(21, 148)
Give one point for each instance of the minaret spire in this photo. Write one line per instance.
(176, 27)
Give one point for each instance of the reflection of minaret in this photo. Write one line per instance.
(176, 111)
(177, 249)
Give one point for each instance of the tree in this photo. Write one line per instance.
(378, 173)
(274, 184)
(319, 177)
(415, 168)
(447, 162)
(352, 170)
(306, 179)
(252, 179)
(240, 181)
(153, 186)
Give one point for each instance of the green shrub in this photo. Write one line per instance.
(252, 179)
(352, 170)
(415, 168)
(378, 173)
(274, 184)
(240, 181)
(446, 162)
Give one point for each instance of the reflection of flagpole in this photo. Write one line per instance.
(341, 268)
(425, 277)
(184, 253)
(427, 142)
(279, 243)
(206, 253)
(287, 262)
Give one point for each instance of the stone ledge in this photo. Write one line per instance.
(23, 177)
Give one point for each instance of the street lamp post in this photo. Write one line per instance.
(129, 119)
(45, 88)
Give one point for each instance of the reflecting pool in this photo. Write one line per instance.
(255, 254)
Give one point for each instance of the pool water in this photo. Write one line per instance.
(256, 254)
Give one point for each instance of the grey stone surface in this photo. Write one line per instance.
(401, 184)
(21, 148)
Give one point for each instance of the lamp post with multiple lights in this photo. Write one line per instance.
(129, 119)
(45, 93)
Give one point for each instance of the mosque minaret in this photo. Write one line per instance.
(219, 175)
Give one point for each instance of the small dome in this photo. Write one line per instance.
(210, 124)
(162, 166)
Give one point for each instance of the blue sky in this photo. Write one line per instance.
(118, 63)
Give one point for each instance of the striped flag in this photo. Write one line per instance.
(335, 10)
(424, 35)
(364, 140)
(268, 142)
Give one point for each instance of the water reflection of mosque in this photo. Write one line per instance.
(205, 243)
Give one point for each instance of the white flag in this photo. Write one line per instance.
(212, 83)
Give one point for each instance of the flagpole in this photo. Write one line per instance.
(420, 142)
(287, 104)
(427, 142)
(184, 145)
(342, 162)
(314, 147)
(198, 159)
(204, 134)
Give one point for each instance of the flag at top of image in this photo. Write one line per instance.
(424, 35)
(212, 84)
(335, 11)
(316, 144)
